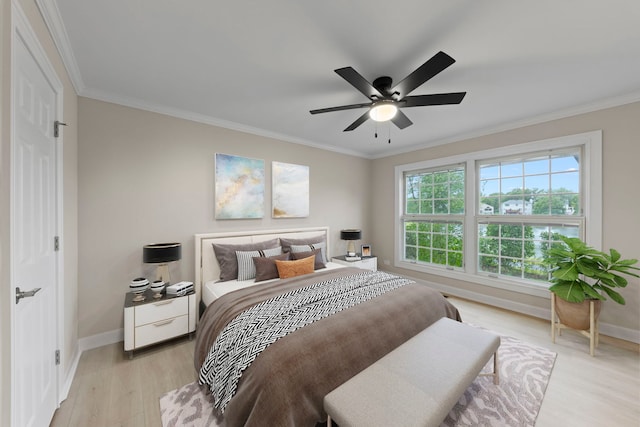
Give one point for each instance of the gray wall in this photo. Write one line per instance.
(621, 211)
(148, 178)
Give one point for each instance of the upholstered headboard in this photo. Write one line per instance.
(206, 264)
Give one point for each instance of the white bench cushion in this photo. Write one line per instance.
(416, 384)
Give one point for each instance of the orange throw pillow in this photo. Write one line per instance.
(295, 268)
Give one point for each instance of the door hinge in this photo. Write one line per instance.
(56, 243)
(56, 128)
(57, 357)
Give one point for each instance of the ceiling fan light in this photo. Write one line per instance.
(383, 111)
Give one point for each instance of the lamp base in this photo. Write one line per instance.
(351, 248)
(162, 273)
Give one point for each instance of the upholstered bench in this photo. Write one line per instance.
(419, 382)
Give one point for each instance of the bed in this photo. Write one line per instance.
(269, 368)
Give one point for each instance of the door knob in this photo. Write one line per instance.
(25, 294)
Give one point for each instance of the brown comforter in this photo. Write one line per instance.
(286, 383)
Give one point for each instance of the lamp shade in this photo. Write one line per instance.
(383, 111)
(160, 253)
(351, 234)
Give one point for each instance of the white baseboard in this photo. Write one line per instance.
(98, 340)
(627, 334)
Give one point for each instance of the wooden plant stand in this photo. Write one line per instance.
(592, 333)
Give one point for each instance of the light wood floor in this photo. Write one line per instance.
(110, 390)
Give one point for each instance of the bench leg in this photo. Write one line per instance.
(496, 371)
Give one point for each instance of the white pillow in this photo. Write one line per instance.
(246, 267)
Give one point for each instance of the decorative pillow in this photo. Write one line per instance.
(319, 262)
(226, 256)
(314, 240)
(310, 247)
(299, 267)
(266, 266)
(246, 267)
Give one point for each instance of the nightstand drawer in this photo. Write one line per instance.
(369, 264)
(161, 330)
(161, 310)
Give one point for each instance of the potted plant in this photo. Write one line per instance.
(581, 274)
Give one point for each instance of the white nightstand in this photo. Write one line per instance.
(368, 263)
(157, 319)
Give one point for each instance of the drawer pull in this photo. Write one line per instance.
(162, 302)
(165, 322)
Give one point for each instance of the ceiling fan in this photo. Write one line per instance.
(386, 101)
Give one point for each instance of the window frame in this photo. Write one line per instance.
(591, 203)
(436, 218)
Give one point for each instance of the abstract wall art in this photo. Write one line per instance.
(290, 190)
(239, 187)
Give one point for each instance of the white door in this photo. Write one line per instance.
(33, 257)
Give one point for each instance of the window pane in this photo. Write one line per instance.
(512, 186)
(490, 187)
(436, 242)
(565, 163)
(568, 182)
(532, 178)
(441, 206)
(519, 250)
(536, 166)
(511, 169)
(413, 206)
(489, 171)
(537, 183)
(432, 192)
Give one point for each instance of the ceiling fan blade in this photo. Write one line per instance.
(341, 108)
(356, 80)
(401, 120)
(363, 118)
(433, 66)
(433, 99)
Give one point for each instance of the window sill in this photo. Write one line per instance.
(533, 289)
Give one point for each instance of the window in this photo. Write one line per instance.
(534, 184)
(433, 216)
(489, 216)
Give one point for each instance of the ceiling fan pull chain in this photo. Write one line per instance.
(389, 129)
(376, 134)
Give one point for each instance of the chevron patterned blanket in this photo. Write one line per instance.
(269, 353)
(253, 330)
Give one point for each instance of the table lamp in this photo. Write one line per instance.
(350, 235)
(162, 254)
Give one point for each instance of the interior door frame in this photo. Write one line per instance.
(21, 29)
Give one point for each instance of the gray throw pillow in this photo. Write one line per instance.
(226, 256)
(319, 262)
(266, 266)
(314, 240)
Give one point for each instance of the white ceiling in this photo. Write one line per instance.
(260, 66)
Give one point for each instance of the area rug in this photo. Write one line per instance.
(524, 374)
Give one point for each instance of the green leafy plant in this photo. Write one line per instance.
(581, 272)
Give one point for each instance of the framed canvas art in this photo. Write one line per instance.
(290, 190)
(239, 187)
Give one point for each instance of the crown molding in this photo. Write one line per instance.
(547, 117)
(53, 20)
(202, 118)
